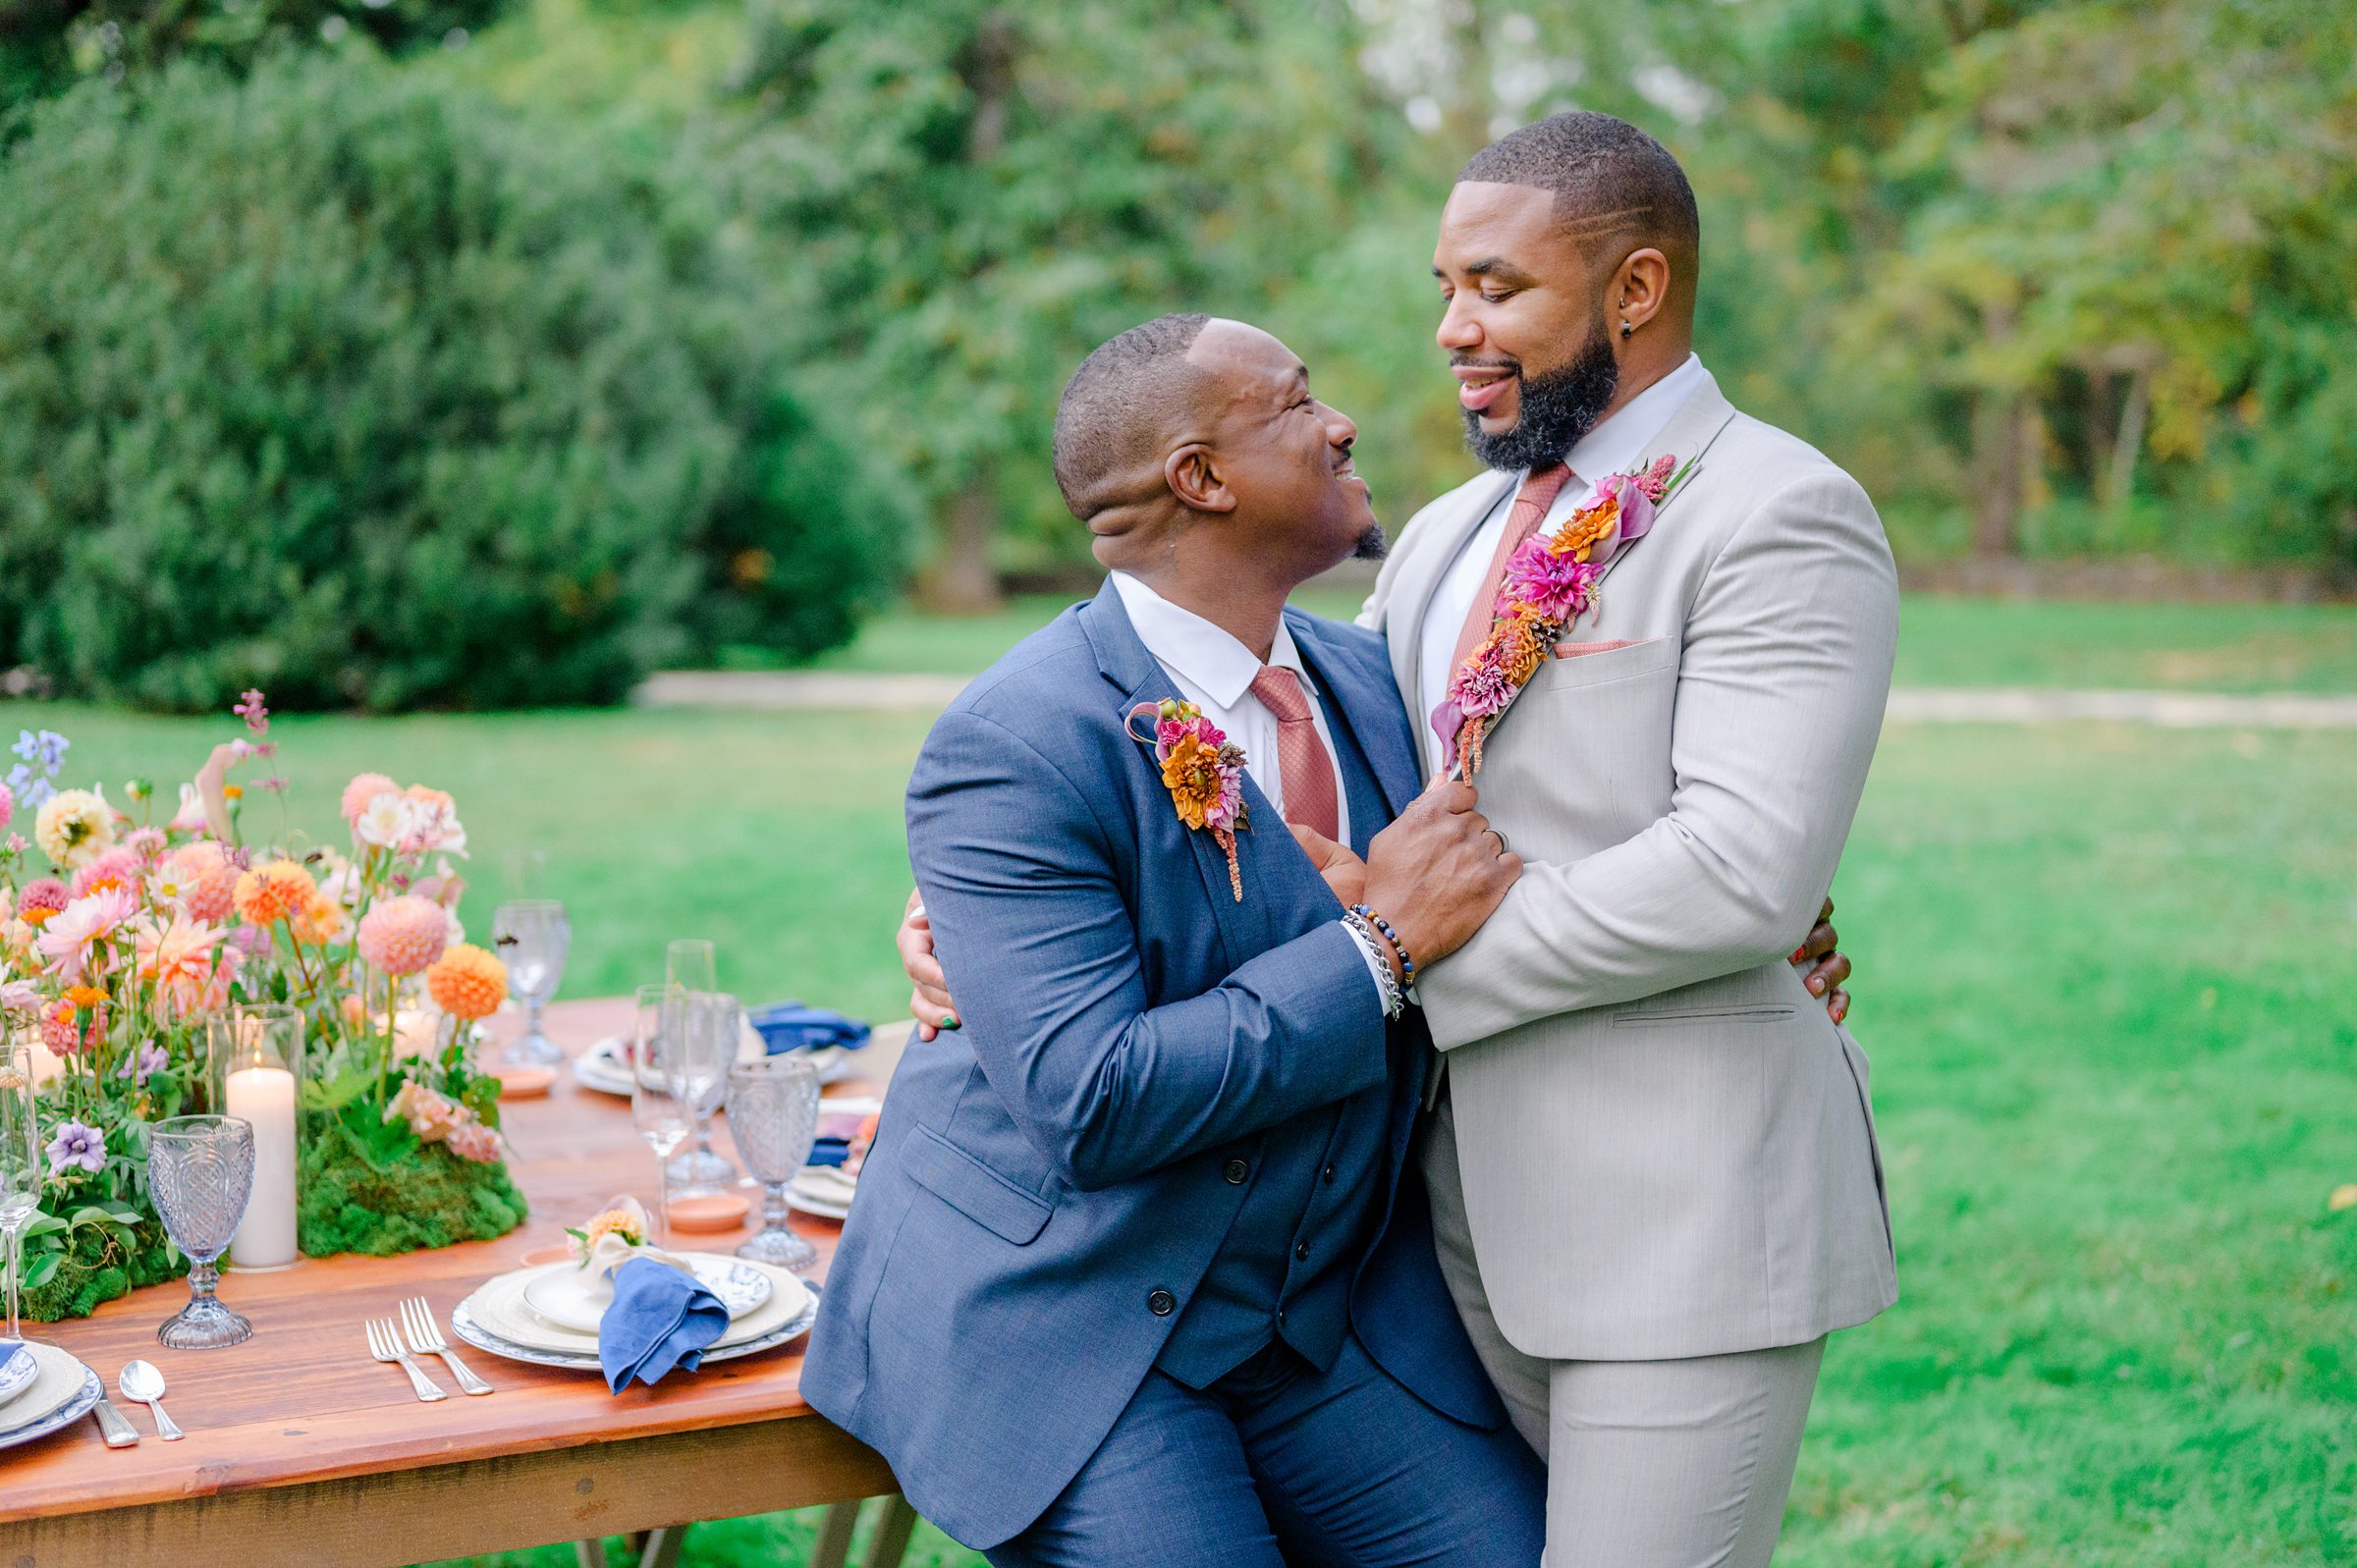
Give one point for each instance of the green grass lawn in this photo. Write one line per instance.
(2108, 979)
(1945, 643)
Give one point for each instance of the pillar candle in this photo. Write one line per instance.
(265, 1096)
(45, 1064)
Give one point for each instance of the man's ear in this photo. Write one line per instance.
(1640, 289)
(1192, 473)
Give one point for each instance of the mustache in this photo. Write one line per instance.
(1465, 361)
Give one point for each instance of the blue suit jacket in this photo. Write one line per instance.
(1042, 1176)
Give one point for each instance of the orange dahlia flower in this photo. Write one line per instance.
(468, 981)
(279, 891)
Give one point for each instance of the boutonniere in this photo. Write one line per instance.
(1549, 583)
(1203, 770)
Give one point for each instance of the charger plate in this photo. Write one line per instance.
(63, 1394)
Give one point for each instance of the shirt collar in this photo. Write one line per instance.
(1202, 652)
(1616, 444)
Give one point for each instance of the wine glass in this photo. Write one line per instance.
(532, 936)
(656, 1109)
(20, 1163)
(688, 964)
(773, 1117)
(700, 1030)
(200, 1172)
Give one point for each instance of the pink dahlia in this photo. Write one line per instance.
(404, 935)
(118, 867)
(1557, 586)
(207, 877)
(366, 787)
(8, 804)
(43, 898)
(76, 933)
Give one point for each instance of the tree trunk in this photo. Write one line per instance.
(1997, 450)
(2120, 483)
(961, 581)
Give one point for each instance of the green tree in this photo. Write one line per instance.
(341, 382)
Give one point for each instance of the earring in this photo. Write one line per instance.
(1627, 330)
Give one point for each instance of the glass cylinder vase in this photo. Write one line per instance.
(257, 1070)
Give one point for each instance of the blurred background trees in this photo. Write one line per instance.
(785, 290)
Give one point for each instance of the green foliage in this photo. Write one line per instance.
(355, 387)
(380, 1192)
(74, 1262)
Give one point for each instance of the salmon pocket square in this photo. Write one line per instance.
(1578, 650)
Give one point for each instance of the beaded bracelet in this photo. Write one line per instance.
(1407, 965)
(1395, 995)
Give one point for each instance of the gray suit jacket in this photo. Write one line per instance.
(1667, 1146)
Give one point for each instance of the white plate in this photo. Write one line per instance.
(18, 1373)
(569, 1298)
(465, 1325)
(64, 1391)
(822, 1197)
(602, 1069)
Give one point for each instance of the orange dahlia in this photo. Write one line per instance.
(402, 936)
(318, 920)
(279, 891)
(468, 981)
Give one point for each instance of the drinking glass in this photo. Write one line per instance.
(200, 1171)
(532, 936)
(20, 1162)
(773, 1117)
(688, 964)
(656, 1110)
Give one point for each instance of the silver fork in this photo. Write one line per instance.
(384, 1343)
(426, 1340)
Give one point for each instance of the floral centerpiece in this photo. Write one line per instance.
(124, 940)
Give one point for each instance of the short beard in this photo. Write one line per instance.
(1372, 545)
(1557, 408)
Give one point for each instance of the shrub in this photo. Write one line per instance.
(342, 382)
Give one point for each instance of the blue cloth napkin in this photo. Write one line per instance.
(13, 1350)
(795, 1026)
(661, 1318)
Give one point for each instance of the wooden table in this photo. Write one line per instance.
(302, 1450)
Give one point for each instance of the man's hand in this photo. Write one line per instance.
(1438, 872)
(1823, 966)
(929, 1003)
(1343, 871)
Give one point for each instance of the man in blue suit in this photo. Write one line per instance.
(1139, 1272)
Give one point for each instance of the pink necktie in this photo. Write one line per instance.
(1303, 765)
(1538, 490)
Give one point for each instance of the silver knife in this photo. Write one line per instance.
(120, 1433)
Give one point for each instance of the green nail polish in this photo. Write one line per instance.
(948, 1022)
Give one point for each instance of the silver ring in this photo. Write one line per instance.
(1500, 838)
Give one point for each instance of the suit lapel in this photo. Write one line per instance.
(1689, 435)
(1408, 650)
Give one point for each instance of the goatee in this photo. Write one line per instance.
(1557, 408)
(1372, 545)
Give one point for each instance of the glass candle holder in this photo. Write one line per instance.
(257, 1069)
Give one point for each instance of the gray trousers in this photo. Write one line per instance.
(1650, 1464)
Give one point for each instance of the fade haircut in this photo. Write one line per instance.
(1121, 405)
(1609, 179)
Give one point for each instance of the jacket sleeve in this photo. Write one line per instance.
(1782, 685)
(1044, 959)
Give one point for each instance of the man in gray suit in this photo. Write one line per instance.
(1654, 1179)
(1652, 1175)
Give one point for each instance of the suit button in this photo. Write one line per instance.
(1327, 1175)
(1162, 1304)
(1235, 1172)
(1301, 1251)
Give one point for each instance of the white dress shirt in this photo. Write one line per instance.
(1611, 447)
(1214, 670)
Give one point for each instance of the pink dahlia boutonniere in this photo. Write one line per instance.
(1550, 583)
(1203, 770)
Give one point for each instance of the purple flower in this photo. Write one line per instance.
(1556, 586)
(76, 1146)
(151, 1057)
(1636, 514)
(47, 748)
(250, 708)
(29, 787)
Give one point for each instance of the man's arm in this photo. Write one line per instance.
(1016, 874)
(1780, 692)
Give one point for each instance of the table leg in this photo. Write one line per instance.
(834, 1546)
(663, 1546)
(589, 1553)
(894, 1523)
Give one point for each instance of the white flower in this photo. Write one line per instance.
(74, 827)
(190, 818)
(387, 820)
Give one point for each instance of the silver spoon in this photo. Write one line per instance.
(142, 1382)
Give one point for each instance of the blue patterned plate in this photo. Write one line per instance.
(59, 1416)
(18, 1369)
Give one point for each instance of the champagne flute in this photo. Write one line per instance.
(700, 1029)
(656, 1109)
(532, 936)
(20, 1163)
(689, 963)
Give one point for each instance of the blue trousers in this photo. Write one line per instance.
(1278, 1465)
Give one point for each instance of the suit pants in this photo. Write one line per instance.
(1650, 1464)
(1280, 1464)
